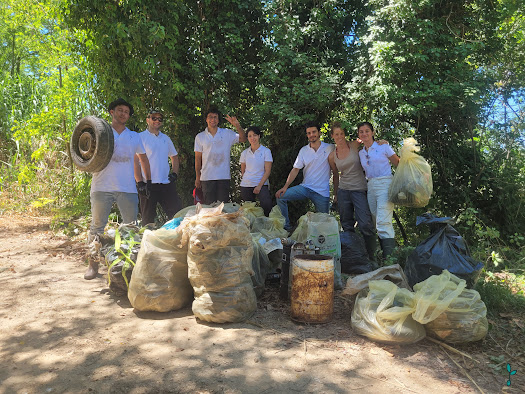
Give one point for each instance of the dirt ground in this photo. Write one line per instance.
(60, 333)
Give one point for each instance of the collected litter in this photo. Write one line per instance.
(393, 273)
(120, 248)
(412, 182)
(449, 311)
(383, 313)
(323, 230)
(312, 294)
(220, 251)
(160, 279)
(208, 256)
(251, 211)
(291, 249)
(444, 249)
(270, 227)
(261, 265)
(440, 305)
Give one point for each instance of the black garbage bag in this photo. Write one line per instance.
(354, 258)
(444, 249)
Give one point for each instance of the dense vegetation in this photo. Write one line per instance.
(451, 73)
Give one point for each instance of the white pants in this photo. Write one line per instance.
(382, 209)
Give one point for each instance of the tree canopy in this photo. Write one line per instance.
(449, 73)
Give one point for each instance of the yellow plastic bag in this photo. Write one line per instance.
(449, 311)
(435, 294)
(251, 211)
(272, 226)
(412, 182)
(383, 313)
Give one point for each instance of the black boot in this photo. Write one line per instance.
(388, 245)
(371, 246)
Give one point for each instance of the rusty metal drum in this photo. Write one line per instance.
(312, 288)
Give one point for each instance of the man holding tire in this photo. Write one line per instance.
(163, 190)
(116, 182)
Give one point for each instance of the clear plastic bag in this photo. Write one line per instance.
(220, 251)
(412, 182)
(272, 226)
(393, 273)
(160, 278)
(192, 210)
(450, 311)
(383, 313)
(465, 320)
(323, 230)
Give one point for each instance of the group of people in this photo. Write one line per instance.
(140, 170)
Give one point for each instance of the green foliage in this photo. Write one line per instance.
(179, 56)
(398, 256)
(124, 250)
(306, 65)
(498, 295)
(487, 245)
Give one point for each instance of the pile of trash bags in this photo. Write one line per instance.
(441, 307)
(215, 257)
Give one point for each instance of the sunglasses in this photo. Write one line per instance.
(156, 118)
(367, 160)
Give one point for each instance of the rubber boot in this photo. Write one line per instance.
(388, 245)
(92, 270)
(371, 246)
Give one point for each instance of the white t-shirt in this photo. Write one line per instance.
(316, 169)
(375, 161)
(118, 176)
(254, 165)
(215, 153)
(158, 149)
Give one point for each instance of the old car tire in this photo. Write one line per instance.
(91, 144)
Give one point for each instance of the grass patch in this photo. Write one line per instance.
(502, 292)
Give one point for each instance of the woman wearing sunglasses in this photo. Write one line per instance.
(256, 166)
(375, 160)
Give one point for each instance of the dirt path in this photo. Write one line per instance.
(60, 333)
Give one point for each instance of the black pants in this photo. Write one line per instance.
(217, 190)
(265, 199)
(166, 195)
